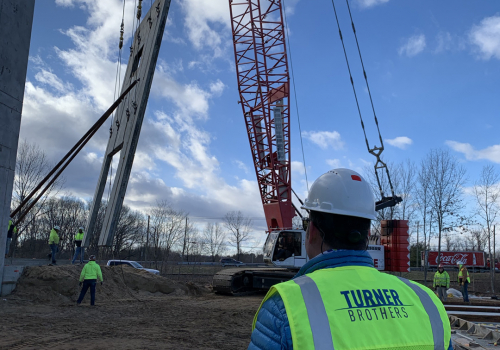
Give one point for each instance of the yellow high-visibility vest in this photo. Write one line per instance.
(358, 308)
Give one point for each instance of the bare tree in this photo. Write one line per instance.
(406, 176)
(214, 237)
(32, 166)
(167, 227)
(130, 230)
(191, 242)
(486, 193)
(446, 180)
(239, 227)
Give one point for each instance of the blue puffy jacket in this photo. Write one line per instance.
(272, 329)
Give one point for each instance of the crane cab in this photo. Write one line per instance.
(287, 249)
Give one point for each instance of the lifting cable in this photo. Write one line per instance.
(375, 151)
(295, 93)
(117, 86)
(135, 25)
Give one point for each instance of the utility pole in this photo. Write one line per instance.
(418, 224)
(147, 242)
(185, 234)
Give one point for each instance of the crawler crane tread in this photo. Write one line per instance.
(241, 280)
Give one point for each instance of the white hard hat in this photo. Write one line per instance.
(57, 227)
(80, 228)
(342, 192)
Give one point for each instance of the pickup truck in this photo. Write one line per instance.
(133, 264)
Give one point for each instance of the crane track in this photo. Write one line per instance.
(231, 281)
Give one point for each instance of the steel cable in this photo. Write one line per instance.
(375, 151)
(295, 94)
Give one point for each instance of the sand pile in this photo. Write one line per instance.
(59, 284)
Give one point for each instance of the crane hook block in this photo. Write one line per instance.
(386, 202)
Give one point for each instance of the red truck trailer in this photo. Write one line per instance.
(469, 259)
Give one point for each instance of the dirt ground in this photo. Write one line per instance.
(134, 310)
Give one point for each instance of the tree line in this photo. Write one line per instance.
(441, 212)
(159, 234)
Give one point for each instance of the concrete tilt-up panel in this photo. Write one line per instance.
(16, 19)
(127, 124)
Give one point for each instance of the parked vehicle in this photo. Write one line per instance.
(133, 264)
(230, 262)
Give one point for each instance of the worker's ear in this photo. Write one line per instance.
(312, 233)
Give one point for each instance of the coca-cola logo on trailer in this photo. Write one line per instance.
(454, 258)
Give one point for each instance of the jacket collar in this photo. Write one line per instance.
(337, 258)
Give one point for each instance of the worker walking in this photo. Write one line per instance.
(10, 231)
(54, 243)
(91, 273)
(441, 282)
(463, 281)
(79, 250)
(338, 300)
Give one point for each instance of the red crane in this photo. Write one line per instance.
(263, 83)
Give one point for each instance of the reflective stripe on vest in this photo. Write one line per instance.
(327, 308)
(318, 318)
(432, 311)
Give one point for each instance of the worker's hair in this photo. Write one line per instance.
(342, 231)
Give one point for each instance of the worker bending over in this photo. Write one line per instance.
(91, 273)
(338, 300)
(79, 250)
(54, 243)
(441, 282)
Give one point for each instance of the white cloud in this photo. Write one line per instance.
(334, 163)
(400, 142)
(370, 3)
(413, 46)
(241, 166)
(217, 88)
(52, 80)
(491, 153)
(201, 16)
(298, 167)
(325, 139)
(486, 37)
(189, 98)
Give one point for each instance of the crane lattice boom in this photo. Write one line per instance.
(263, 81)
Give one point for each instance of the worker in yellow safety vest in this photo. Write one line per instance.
(54, 243)
(441, 282)
(91, 273)
(10, 231)
(79, 250)
(338, 300)
(463, 281)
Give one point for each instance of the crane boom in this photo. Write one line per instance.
(263, 83)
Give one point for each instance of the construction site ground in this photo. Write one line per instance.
(134, 310)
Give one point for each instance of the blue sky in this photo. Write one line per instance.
(433, 68)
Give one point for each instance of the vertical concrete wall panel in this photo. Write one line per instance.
(16, 19)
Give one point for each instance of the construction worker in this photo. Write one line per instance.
(53, 243)
(338, 300)
(12, 229)
(441, 282)
(79, 250)
(463, 281)
(91, 273)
